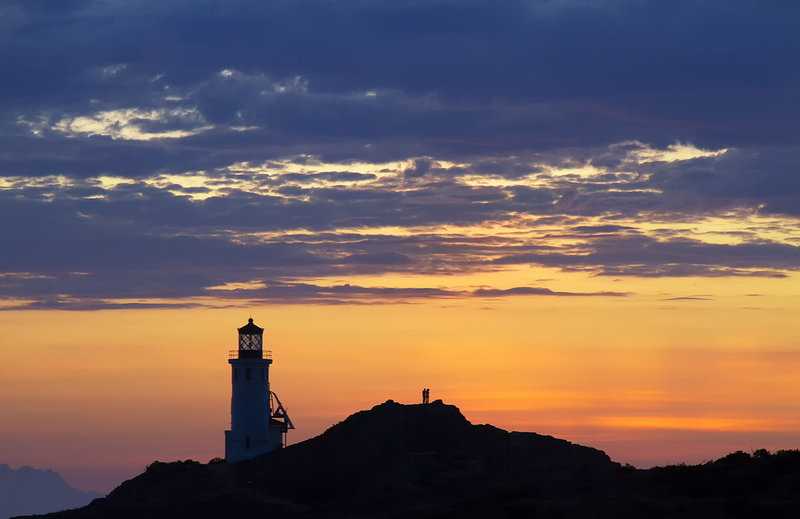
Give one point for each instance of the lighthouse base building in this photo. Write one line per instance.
(259, 422)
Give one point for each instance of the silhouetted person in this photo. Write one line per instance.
(426, 393)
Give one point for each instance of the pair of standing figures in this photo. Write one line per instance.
(426, 396)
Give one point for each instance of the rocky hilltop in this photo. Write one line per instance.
(403, 461)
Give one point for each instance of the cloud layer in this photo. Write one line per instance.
(156, 150)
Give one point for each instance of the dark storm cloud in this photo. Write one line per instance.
(140, 242)
(768, 180)
(332, 176)
(600, 229)
(336, 294)
(379, 258)
(644, 256)
(473, 76)
(505, 90)
(306, 292)
(301, 293)
(539, 291)
(93, 305)
(134, 226)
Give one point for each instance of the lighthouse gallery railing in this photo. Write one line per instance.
(265, 354)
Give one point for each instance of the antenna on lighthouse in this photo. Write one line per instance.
(258, 424)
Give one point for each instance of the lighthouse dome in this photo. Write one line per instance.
(250, 329)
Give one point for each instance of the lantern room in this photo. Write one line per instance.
(251, 340)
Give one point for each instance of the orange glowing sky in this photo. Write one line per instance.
(99, 395)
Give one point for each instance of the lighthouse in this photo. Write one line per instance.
(259, 422)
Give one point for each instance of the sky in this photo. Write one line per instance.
(571, 217)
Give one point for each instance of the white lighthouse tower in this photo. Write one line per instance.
(259, 422)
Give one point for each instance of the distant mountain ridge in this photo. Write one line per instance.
(35, 491)
(427, 461)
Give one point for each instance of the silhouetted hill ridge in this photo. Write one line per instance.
(399, 461)
(419, 450)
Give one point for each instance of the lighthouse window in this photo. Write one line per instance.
(250, 342)
(235, 374)
(248, 374)
(262, 374)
